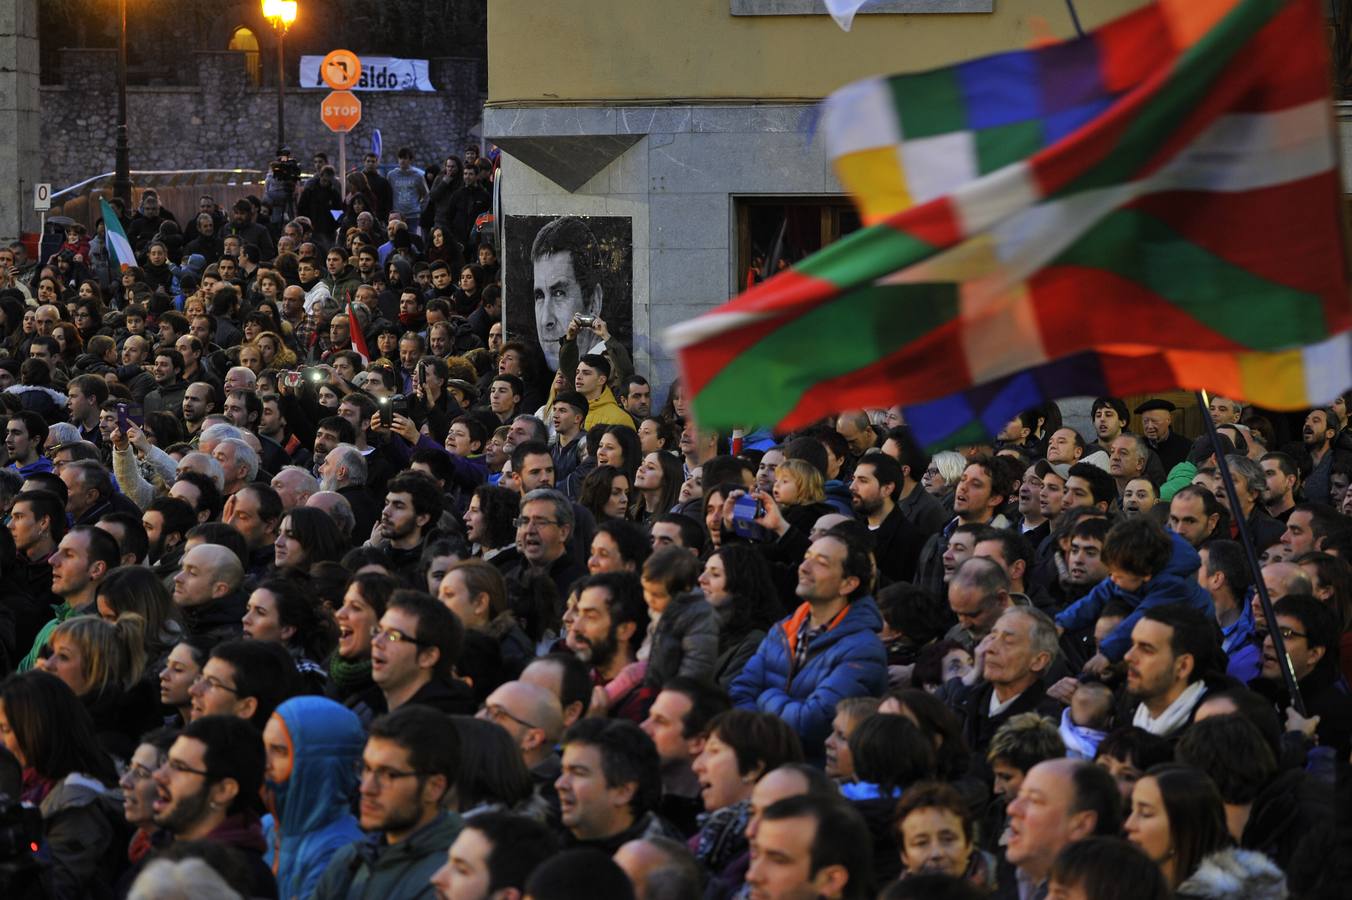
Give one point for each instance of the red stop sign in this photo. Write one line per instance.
(341, 111)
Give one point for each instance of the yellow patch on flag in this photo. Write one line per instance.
(875, 178)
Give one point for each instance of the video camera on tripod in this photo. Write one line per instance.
(284, 168)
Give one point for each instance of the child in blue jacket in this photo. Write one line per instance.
(1147, 566)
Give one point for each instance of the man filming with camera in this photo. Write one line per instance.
(280, 187)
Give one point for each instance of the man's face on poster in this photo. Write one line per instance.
(558, 297)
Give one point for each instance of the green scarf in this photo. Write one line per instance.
(349, 676)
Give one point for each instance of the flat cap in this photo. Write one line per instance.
(1152, 405)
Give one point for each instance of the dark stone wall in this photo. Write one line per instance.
(216, 119)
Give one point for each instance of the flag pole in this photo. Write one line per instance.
(1278, 645)
(1074, 18)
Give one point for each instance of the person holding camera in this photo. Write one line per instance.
(280, 188)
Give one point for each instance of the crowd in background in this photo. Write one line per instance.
(318, 583)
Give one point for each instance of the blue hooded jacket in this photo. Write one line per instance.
(194, 266)
(311, 812)
(1242, 644)
(848, 660)
(1176, 584)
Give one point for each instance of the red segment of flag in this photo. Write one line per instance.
(357, 338)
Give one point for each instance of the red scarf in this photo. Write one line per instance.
(141, 845)
(35, 787)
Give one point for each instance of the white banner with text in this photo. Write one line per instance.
(378, 73)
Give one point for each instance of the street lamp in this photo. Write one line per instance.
(122, 153)
(281, 13)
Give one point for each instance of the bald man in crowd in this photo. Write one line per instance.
(207, 592)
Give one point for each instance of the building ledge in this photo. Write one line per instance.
(877, 7)
(570, 161)
(571, 144)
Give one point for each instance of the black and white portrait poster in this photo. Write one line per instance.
(558, 267)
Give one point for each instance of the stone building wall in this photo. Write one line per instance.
(222, 121)
(18, 116)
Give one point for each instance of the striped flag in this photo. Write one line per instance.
(358, 339)
(119, 248)
(1152, 206)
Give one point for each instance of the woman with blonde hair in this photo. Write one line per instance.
(460, 367)
(276, 354)
(102, 662)
(250, 357)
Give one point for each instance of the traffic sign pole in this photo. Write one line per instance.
(42, 202)
(341, 70)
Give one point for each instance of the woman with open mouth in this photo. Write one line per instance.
(742, 747)
(363, 605)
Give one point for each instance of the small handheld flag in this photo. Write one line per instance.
(358, 339)
(115, 238)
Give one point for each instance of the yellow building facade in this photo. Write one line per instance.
(683, 136)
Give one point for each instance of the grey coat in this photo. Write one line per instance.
(84, 829)
(685, 641)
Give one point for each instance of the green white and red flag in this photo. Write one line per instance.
(115, 239)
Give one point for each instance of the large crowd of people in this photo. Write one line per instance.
(283, 618)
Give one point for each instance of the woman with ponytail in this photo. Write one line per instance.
(136, 589)
(102, 663)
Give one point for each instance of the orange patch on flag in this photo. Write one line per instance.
(1190, 20)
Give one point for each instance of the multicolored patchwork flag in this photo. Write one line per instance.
(1155, 205)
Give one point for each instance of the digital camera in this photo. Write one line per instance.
(745, 511)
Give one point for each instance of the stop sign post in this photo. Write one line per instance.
(341, 110)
